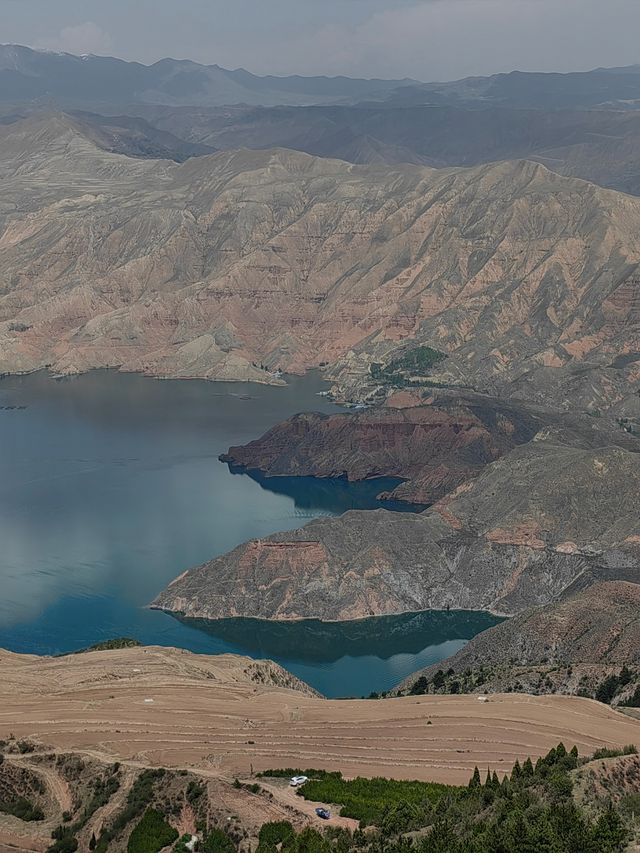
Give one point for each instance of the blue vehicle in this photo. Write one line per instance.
(325, 814)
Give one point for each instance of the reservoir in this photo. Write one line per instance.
(110, 486)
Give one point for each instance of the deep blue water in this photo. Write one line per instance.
(110, 486)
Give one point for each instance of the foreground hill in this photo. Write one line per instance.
(139, 747)
(544, 517)
(170, 708)
(569, 646)
(525, 280)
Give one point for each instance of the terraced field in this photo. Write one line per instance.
(228, 716)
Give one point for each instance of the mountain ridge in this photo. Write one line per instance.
(177, 269)
(28, 74)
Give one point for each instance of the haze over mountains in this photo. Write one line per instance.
(87, 81)
(75, 81)
(583, 125)
(602, 146)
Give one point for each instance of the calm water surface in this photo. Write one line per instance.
(110, 486)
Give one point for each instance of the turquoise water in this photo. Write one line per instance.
(110, 486)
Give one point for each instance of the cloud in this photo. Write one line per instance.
(424, 39)
(448, 39)
(87, 37)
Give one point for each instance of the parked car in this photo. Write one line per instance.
(325, 814)
(296, 781)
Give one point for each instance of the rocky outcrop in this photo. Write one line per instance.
(234, 265)
(544, 518)
(435, 448)
(435, 443)
(569, 646)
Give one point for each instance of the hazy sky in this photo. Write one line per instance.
(425, 39)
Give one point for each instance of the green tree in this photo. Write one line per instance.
(609, 834)
(218, 841)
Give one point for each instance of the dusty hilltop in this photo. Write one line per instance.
(225, 716)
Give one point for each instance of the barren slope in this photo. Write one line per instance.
(582, 638)
(524, 278)
(204, 714)
(435, 448)
(434, 439)
(545, 516)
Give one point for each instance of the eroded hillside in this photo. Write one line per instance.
(545, 516)
(587, 643)
(523, 279)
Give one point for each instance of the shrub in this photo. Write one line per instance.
(632, 701)
(630, 749)
(277, 832)
(21, 808)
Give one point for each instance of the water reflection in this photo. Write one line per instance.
(335, 495)
(110, 484)
(313, 640)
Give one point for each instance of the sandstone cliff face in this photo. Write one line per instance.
(435, 443)
(435, 448)
(542, 519)
(229, 266)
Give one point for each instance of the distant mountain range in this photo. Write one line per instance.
(527, 280)
(579, 89)
(584, 125)
(598, 145)
(90, 81)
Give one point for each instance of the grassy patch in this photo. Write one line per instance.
(290, 772)
(411, 368)
(109, 645)
(630, 749)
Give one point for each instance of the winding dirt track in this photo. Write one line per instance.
(169, 707)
